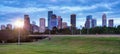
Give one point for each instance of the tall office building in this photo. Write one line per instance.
(104, 20)
(3, 27)
(50, 13)
(88, 23)
(64, 25)
(42, 25)
(59, 22)
(73, 20)
(111, 23)
(94, 23)
(53, 21)
(27, 23)
(73, 23)
(9, 26)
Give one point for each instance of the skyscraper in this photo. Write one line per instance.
(111, 23)
(9, 26)
(88, 23)
(94, 23)
(27, 23)
(42, 25)
(104, 20)
(59, 22)
(53, 21)
(50, 13)
(73, 20)
(73, 23)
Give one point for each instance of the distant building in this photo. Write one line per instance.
(88, 23)
(73, 20)
(50, 13)
(64, 25)
(3, 27)
(53, 21)
(35, 28)
(94, 23)
(27, 23)
(42, 25)
(9, 26)
(111, 23)
(104, 20)
(59, 22)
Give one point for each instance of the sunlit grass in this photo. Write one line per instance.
(66, 45)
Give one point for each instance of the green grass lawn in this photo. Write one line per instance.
(66, 45)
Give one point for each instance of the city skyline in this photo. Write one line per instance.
(39, 9)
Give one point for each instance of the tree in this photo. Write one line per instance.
(66, 31)
(54, 30)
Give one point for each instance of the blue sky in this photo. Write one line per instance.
(10, 10)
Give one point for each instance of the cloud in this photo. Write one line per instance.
(8, 9)
(81, 8)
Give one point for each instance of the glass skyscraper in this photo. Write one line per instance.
(53, 22)
(50, 13)
(88, 23)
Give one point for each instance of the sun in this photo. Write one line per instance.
(19, 23)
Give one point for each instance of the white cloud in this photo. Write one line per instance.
(7, 9)
(77, 8)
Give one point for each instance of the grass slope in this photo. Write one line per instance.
(66, 45)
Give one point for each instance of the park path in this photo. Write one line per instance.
(97, 35)
(89, 35)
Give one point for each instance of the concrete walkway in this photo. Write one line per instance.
(97, 35)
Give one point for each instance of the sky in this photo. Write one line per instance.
(11, 10)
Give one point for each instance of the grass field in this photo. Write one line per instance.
(66, 45)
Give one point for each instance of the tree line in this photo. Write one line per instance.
(95, 30)
(12, 35)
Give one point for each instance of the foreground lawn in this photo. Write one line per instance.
(66, 45)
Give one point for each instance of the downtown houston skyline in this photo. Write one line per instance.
(13, 9)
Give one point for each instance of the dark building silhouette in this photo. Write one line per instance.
(104, 20)
(27, 23)
(73, 20)
(73, 23)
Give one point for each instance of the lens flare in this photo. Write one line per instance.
(19, 23)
